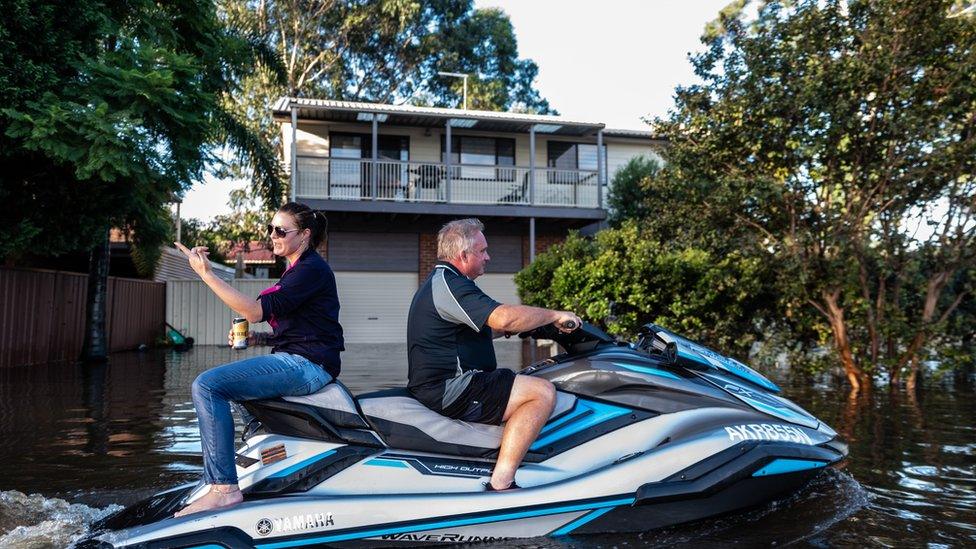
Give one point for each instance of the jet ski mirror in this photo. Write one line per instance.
(653, 339)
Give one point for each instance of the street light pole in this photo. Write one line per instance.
(465, 77)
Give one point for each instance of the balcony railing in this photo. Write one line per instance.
(320, 177)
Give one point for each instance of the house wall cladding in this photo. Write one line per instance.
(42, 315)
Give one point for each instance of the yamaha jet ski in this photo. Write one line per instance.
(644, 434)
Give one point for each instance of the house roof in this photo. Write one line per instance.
(258, 253)
(635, 134)
(409, 115)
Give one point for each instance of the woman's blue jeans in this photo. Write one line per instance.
(269, 376)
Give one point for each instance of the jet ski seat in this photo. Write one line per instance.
(334, 403)
(404, 423)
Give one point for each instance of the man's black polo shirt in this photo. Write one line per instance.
(447, 333)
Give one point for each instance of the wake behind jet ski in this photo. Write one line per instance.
(647, 434)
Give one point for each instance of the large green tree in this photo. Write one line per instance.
(111, 110)
(837, 140)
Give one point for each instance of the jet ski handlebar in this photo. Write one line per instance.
(579, 339)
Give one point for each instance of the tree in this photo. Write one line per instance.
(386, 51)
(836, 140)
(626, 199)
(119, 111)
(703, 296)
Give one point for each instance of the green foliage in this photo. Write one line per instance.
(826, 162)
(836, 141)
(689, 290)
(111, 111)
(628, 190)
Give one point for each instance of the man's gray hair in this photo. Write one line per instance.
(456, 237)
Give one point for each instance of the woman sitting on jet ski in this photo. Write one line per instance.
(303, 311)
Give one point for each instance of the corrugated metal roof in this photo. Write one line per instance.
(409, 114)
(616, 132)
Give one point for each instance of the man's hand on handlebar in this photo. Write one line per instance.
(567, 322)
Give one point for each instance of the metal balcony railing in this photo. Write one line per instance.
(328, 178)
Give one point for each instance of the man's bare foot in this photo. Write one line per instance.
(219, 496)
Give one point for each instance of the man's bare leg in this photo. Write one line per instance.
(529, 407)
(219, 496)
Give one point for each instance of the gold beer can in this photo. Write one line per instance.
(240, 327)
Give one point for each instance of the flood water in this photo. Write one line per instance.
(76, 442)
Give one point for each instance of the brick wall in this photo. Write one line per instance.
(542, 243)
(428, 254)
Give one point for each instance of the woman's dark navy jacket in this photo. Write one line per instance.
(303, 310)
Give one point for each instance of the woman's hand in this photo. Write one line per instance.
(198, 258)
(253, 338)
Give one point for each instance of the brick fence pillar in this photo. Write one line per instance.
(323, 248)
(428, 255)
(542, 243)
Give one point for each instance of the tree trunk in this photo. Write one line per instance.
(932, 293)
(913, 376)
(95, 348)
(835, 314)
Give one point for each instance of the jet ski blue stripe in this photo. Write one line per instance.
(781, 466)
(576, 413)
(300, 465)
(387, 463)
(581, 521)
(646, 370)
(445, 524)
(600, 413)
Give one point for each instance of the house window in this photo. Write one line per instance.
(569, 162)
(473, 152)
(349, 176)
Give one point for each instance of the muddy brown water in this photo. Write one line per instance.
(76, 442)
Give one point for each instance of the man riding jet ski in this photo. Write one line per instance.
(646, 434)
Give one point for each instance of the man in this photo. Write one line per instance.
(452, 361)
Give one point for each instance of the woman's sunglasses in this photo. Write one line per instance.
(278, 231)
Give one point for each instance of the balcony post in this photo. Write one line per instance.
(531, 240)
(600, 169)
(373, 174)
(294, 153)
(532, 167)
(447, 161)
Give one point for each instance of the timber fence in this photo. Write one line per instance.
(42, 314)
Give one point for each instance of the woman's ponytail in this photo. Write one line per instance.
(321, 226)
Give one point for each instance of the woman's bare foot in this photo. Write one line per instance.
(219, 496)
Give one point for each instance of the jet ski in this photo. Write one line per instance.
(644, 434)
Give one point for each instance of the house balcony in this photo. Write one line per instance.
(367, 158)
(408, 182)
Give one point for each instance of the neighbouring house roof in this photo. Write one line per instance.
(173, 265)
(409, 115)
(636, 134)
(257, 254)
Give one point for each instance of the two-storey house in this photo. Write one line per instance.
(388, 177)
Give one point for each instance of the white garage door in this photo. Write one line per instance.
(374, 306)
(499, 286)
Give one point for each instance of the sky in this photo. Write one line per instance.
(610, 61)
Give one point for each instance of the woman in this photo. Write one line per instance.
(303, 310)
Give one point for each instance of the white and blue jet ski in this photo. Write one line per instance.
(644, 435)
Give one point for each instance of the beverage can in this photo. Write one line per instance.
(240, 328)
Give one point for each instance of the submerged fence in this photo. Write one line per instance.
(42, 314)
